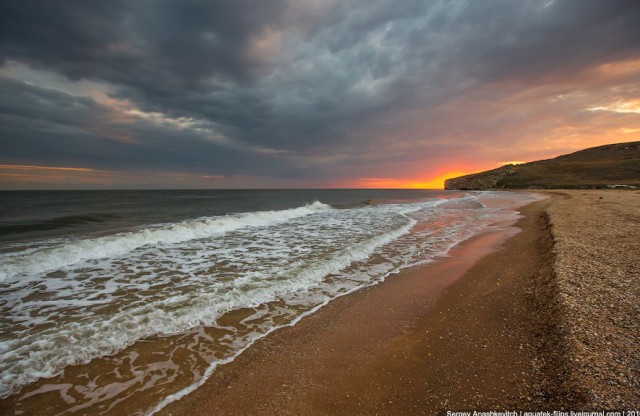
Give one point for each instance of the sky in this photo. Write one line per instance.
(125, 94)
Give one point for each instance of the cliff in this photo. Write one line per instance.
(614, 165)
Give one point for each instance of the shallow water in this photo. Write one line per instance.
(123, 315)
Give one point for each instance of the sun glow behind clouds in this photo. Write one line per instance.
(620, 107)
(326, 94)
(436, 182)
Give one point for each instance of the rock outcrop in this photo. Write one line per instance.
(491, 179)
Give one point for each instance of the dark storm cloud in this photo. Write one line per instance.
(41, 126)
(74, 37)
(567, 35)
(314, 80)
(155, 44)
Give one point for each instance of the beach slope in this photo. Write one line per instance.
(596, 237)
(546, 321)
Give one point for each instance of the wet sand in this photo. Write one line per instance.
(468, 332)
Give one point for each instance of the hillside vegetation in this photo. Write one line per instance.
(596, 167)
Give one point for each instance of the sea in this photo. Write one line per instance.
(120, 302)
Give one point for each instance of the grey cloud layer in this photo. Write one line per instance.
(304, 87)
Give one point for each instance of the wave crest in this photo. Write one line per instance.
(67, 254)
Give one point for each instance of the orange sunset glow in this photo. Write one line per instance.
(320, 207)
(436, 182)
(305, 99)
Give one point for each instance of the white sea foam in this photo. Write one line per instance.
(169, 283)
(71, 253)
(30, 358)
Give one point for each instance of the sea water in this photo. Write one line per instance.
(119, 302)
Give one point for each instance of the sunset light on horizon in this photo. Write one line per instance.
(308, 95)
(319, 207)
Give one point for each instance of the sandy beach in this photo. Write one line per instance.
(495, 326)
(320, 208)
(538, 313)
(596, 238)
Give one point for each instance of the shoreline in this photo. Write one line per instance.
(535, 313)
(366, 353)
(89, 388)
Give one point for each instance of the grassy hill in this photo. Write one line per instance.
(596, 167)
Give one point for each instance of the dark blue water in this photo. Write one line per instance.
(34, 215)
